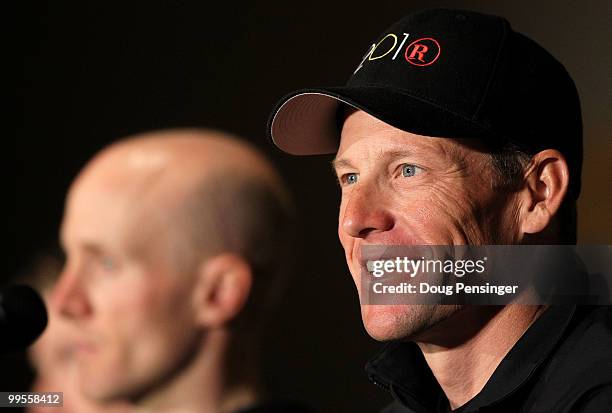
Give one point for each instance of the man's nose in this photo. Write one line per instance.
(69, 297)
(364, 216)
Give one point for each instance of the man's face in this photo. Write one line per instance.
(399, 188)
(122, 289)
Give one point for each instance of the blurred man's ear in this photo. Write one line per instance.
(546, 183)
(222, 289)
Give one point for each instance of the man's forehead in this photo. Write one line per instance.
(94, 214)
(364, 135)
(359, 125)
(115, 194)
(112, 217)
(388, 144)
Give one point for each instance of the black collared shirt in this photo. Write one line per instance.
(562, 364)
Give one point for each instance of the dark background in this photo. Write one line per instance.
(91, 72)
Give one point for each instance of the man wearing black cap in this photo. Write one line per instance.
(456, 130)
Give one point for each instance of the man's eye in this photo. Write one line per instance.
(349, 179)
(107, 263)
(409, 170)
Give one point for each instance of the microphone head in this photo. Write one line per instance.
(23, 317)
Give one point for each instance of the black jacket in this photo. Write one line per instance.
(277, 406)
(562, 364)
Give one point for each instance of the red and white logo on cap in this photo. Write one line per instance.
(423, 52)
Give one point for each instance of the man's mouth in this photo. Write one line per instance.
(84, 347)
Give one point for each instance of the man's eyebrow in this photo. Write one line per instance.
(92, 248)
(402, 153)
(387, 155)
(341, 163)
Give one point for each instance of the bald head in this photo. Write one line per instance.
(206, 190)
(185, 155)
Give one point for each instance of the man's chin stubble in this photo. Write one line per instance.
(417, 323)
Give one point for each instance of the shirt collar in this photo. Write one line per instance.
(401, 368)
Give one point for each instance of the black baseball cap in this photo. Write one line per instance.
(446, 73)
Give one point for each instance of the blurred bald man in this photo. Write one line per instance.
(176, 245)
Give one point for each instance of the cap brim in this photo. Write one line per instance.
(305, 122)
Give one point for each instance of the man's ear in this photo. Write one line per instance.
(222, 289)
(546, 183)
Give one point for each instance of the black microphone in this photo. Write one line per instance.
(23, 317)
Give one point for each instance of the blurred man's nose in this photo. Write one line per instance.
(69, 297)
(363, 215)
